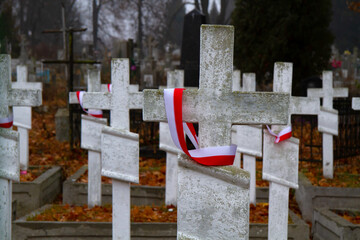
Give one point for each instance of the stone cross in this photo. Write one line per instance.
(9, 141)
(91, 128)
(328, 120)
(280, 160)
(22, 115)
(175, 79)
(213, 202)
(355, 103)
(119, 146)
(249, 140)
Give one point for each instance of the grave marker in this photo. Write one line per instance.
(328, 120)
(175, 79)
(9, 141)
(280, 160)
(91, 128)
(119, 146)
(249, 140)
(213, 202)
(22, 115)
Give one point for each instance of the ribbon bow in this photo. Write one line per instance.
(283, 134)
(91, 112)
(211, 156)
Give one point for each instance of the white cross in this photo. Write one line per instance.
(280, 161)
(175, 79)
(22, 115)
(213, 202)
(91, 139)
(249, 140)
(328, 120)
(119, 146)
(9, 140)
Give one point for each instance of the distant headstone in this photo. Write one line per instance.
(190, 49)
(9, 141)
(213, 202)
(22, 115)
(328, 120)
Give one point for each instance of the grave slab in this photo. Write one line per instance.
(75, 193)
(26, 230)
(32, 195)
(330, 226)
(310, 197)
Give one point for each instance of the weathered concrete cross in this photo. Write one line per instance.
(280, 160)
(22, 115)
(9, 141)
(328, 120)
(91, 139)
(249, 139)
(119, 146)
(213, 202)
(175, 79)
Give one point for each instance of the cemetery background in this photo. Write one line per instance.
(45, 150)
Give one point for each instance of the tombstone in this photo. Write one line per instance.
(190, 48)
(91, 128)
(236, 80)
(9, 141)
(22, 116)
(328, 120)
(119, 146)
(213, 202)
(175, 79)
(280, 160)
(249, 140)
(355, 103)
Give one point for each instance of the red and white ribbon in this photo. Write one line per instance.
(283, 134)
(109, 87)
(6, 122)
(211, 156)
(91, 112)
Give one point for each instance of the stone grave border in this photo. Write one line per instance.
(309, 197)
(330, 226)
(32, 195)
(23, 229)
(75, 193)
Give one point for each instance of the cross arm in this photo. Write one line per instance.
(341, 92)
(315, 92)
(96, 100)
(25, 97)
(237, 107)
(73, 98)
(304, 105)
(136, 100)
(27, 85)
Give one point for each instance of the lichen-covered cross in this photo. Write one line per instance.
(9, 146)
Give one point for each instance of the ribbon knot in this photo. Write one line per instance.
(211, 156)
(283, 134)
